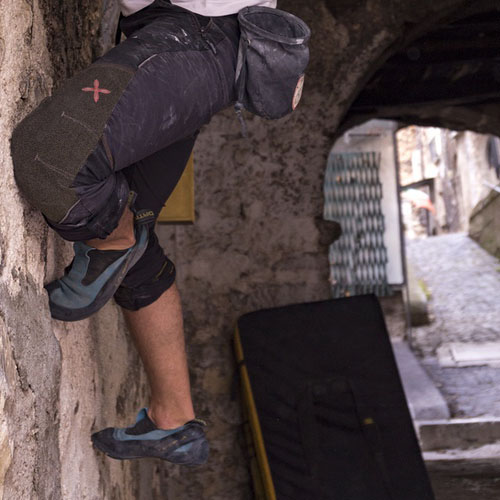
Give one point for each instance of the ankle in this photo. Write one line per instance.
(121, 243)
(165, 419)
(121, 238)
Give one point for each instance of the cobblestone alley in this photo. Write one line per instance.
(464, 285)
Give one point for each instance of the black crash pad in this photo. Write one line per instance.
(328, 406)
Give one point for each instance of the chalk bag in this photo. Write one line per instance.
(272, 59)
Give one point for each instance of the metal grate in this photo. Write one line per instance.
(353, 194)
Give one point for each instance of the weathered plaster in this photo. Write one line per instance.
(30, 422)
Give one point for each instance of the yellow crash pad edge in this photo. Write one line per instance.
(260, 449)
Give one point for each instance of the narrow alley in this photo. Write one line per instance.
(463, 284)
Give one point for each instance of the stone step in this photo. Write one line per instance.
(458, 434)
(457, 354)
(424, 399)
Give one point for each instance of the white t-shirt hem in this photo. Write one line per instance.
(207, 8)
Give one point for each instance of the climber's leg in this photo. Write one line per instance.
(152, 308)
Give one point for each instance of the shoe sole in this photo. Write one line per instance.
(200, 445)
(102, 297)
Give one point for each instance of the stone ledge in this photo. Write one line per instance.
(424, 399)
(458, 434)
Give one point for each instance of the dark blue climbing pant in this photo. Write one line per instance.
(127, 122)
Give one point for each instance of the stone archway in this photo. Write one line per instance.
(444, 74)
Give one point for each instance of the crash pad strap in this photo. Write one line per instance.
(372, 435)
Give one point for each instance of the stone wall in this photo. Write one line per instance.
(485, 224)
(459, 164)
(474, 172)
(58, 382)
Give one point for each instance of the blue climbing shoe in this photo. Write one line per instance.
(92, 278)
(185, 445)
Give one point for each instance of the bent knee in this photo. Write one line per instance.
(140, 295)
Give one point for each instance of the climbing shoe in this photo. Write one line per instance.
(185, 445)
(92, 278)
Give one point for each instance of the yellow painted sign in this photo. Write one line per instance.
(180, 205)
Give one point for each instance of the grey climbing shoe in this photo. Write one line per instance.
(92, 278)
(185, 445)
